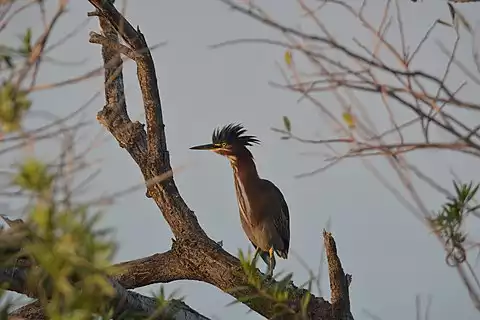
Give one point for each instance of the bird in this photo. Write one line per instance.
(264, 213)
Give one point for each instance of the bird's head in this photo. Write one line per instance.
(229, 140)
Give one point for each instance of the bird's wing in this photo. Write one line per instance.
(246, 228)
(282, 224)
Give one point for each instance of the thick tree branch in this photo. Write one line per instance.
(125, 301)
(31, 311)
(128, 301)
(169, 266)
(202, 262)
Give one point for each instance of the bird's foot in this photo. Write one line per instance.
(271, 264)
(220, 243)
(269, 274)
(268, 277)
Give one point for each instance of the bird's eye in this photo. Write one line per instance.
(224, 145)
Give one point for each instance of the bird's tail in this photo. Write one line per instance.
(281, 253)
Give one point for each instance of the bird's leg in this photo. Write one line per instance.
(271, 264)
(255, 256)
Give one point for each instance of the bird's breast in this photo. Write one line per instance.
(244, 196)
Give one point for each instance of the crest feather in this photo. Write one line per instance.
(233, 134)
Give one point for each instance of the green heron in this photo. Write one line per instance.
(263, 211)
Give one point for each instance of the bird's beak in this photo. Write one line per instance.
(209, 146)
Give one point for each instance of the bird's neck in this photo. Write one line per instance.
(244, 167)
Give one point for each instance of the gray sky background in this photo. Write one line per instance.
(391, 255)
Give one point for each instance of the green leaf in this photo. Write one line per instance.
(27, 41)
(288, 57)
(349, 119)
(287, 124)
(33, 176)
(282, 296)
(14, 104)
(473, 192)
(305, 302)
(282, 284)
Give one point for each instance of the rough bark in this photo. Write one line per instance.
(339, 281)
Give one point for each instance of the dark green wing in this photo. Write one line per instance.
(282, 222)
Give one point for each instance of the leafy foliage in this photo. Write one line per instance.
(449, 221)
(260, 286)
(74, 261)
(14, 104)
(72, 255)
(33, 176)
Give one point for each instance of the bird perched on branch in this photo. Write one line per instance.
(263, 211)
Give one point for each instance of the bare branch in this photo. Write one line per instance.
(147, 149)
(39, 46)
(157, 147)
(339, 281)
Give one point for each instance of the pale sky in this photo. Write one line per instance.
(391, 255)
